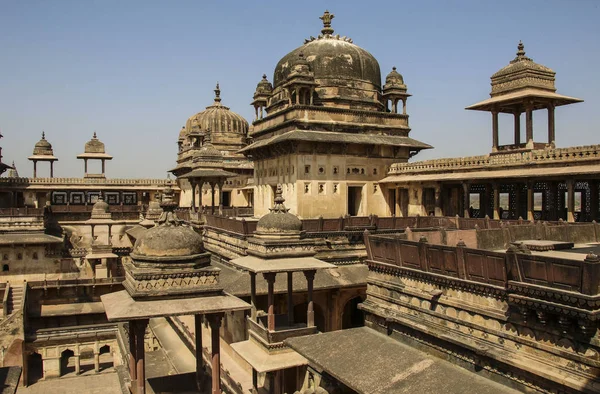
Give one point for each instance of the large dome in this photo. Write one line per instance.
(217, 118)
(343, 71)
(331, 57)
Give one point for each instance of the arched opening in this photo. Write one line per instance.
(67, 362)
(300, 315)
(106, 358)
(5, 268)
(352, 316)
(35, 370)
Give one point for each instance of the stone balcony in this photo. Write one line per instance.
(283, 330)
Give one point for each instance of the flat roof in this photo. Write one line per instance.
(78, 308)
(288, 264)
(30, 239)
(369, 362)
(330, 136)
(525, 171)
(515, 97)
(101, 256)
(263, 361)
(119, 306)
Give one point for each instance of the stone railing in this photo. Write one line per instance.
(24, 181)
(42, 284)
(484, 266)
(539, 156)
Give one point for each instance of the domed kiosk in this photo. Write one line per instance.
(169, 274)
(224, 133)
(42, 151)
(94, 150)
(327, 129)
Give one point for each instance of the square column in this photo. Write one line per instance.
(310, 313)
(140, 332)
(496, 191)
(570, 200)
(438, 211)
(132, 353)
(199, 353)
(517, 127)
(530, 205)
(253, 310)
(529, 124)
(593, 199)
(270, 278)
(551, 130)
(290, 298)
(466, 199)
(215, 324)
(495, 137)
(193, 185)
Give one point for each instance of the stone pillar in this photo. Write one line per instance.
(404, 106)
(96, 362)
(193, 185)
(140, 333)
(556, 208)
(221, 184)
(551, 130)
(570, 200)
(215, 324)
(212, 198)
(529, 125)
(132, 352)
(254, 381)
(253, 313)
(530, 205)
(270, 278)
(310, 313)
(199, 359)
(495, 137)
(290, 298)
(517, 127)
(496, 191)
(103, 166)
(77, 364)
(593, 200)
(85, 166)
(51, 169)
(438, 200)
(397, 208)
(35, 168)
(466, 200)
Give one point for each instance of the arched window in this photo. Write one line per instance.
(35, 256)
(5, 268)
(5, 257)
(19, 256)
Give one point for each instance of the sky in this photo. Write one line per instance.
(134, 71)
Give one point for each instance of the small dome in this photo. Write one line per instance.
(94, 145)
(182, 133)
(100, 209)
(218, 118)
(170, 239)
(264, 87)
(279, 220)
(43, 147)
(394, 79)
(12, 172)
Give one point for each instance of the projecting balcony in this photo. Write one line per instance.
(284, 329)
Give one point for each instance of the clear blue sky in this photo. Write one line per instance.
(134, 71)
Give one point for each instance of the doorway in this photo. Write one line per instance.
(392, 201)
(354, 200)
(226, 199)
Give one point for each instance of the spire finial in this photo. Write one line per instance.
(278, 207)
(95, 135)
(394, 68)
(217, 94)
(207, 136)
(265, 77)
(326, 18)
(43, 135)
(521, 49)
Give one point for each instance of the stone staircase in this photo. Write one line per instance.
(15, 299)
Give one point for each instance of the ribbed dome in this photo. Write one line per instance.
(100, 209)
(218, 118)
(279, 220)
(521, 63)
(263, 87)
(94, 145)
(341, 69)
(170, 239)
(43, 147)
(331, 57)
(394, 79)
(182, 133)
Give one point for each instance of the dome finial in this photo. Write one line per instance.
(207, 136)
(326, 18)
(278, 207)
(264, 77)
(43, 135)
(217, 94)
(95, 135)
(521, 49)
